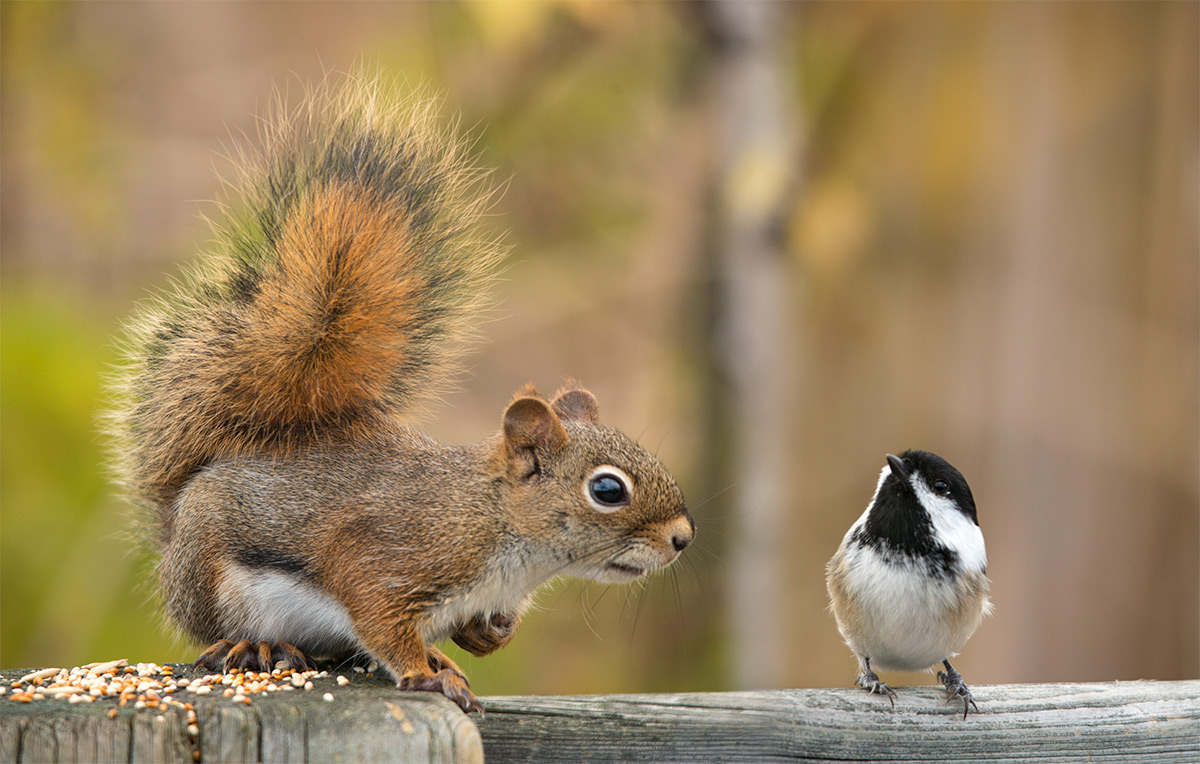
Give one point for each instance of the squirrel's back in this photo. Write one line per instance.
(347, 278)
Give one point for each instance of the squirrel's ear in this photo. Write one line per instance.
(530, 423)
(577, 404)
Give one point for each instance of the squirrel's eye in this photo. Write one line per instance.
(941, 486)
(608, 489)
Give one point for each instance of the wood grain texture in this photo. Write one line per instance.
(369, 720)
(1119, 721)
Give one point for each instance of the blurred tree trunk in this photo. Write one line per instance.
(751, 322)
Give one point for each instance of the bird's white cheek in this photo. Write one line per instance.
(962, 537)
(967, 540)
(954, 529)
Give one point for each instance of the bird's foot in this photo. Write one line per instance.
(956, 688)
(869, 681)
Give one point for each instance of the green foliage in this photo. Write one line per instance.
(70, 578)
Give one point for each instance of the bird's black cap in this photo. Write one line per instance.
(938, 474)
(898, 523)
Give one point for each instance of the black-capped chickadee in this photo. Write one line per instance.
(909, 583)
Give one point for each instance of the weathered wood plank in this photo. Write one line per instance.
(370, 721)
(1120, 721)
(367, 721)
(156, 738)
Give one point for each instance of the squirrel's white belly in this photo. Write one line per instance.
(498, 591)
(276, 606)
(908, 621)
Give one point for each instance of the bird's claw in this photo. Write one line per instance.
(956, 689)
(869, 681)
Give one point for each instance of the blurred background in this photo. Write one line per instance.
(777, 241)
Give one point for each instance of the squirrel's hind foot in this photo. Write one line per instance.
(225, 655)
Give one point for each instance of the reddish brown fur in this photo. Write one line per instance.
(265, 411)
(336, 349)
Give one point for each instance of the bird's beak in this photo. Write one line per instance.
(898, 468)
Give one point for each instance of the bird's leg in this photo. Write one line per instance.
(956, 687)
(869, 681)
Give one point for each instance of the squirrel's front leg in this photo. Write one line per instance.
(449, 680)
(415, 666)
(483, 635)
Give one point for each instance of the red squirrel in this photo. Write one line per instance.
(263, 408)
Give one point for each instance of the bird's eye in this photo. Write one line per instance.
(608, 489)
(941, 486)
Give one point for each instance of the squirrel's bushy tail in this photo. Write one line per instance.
(347, 279)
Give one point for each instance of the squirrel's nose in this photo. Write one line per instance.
(683, 533)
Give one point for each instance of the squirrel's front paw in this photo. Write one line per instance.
(480, 636)
(449, 682)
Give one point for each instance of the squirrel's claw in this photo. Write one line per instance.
(249, 656)
(481, 637)
(213, 658)
(288, 653)
(450, 682)
(224, 655)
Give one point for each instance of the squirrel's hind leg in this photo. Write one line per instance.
(224, 655)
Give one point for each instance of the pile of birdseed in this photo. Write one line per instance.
(154, 687)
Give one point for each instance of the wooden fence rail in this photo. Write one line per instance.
(368, 720)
